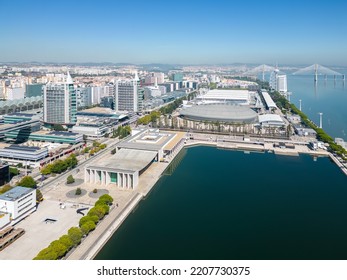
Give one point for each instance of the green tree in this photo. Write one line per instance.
(5, 188)
(107, 198)
(70, 179)
(66, 240)
(58, 247)
(27, 182)
(47, 169)
(46, 254)
(13, 171)
(97, 210)
(75, 235)
(87, 227)
(58, 127)
(85, 219)
(78, 191)
(39, 196)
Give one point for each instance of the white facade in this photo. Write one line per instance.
(91, 131)
(59, 103)
(241, 97)
(282, 83)
(19, 202)
(128, 95)
(15, 93)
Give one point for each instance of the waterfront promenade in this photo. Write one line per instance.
(125, 201)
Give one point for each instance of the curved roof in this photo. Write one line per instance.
(221, 113)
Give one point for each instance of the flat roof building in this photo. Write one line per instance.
(270, 120)
(239, 97)
(19, 202)
(270, 104)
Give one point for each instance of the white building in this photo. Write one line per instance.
(15, 93)
(59, 102)
(128, 95)
(240, 97)
(271, 120)
(19, 202)
(282, 83)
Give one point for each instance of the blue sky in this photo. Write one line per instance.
(175, 31)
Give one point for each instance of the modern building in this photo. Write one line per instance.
(4, 174)
(19, 202)
(225, 113)
(14, 93)
(237, 97)
(59, 101)
(19, 105)
(282, 83)
(83, 97)
(33, 90)
(15, 154)
(133, 157)
(270, 104)
(129, 95)
(270, 120)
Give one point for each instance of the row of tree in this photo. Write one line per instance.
(122, 131)
(283, 103)
(60, 165)
(59, 248)
(152, 117)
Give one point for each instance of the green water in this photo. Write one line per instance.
(221, 204)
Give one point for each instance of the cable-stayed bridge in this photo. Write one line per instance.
(316, 70)
(261, 69)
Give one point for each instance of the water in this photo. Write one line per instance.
(222, 204)
(328, 97)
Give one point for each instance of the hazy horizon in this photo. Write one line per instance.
(184, 32)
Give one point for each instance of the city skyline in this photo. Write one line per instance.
(138, 32)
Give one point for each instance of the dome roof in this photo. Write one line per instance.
(220, 112)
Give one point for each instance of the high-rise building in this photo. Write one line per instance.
(282, 83)
(59, 102)
(128, 95)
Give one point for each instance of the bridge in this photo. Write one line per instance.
(261, 69)
(316, 70)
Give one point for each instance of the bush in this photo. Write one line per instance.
(27, 182)
(46, 254)
(85, 219)
(97, 210)
(95, 190)
(59, 248)
(70, 179)
(75, 235)
(5, 188)
(88, 227)
(78, 191)
(66, 240)
(39, 196)
(106, 198)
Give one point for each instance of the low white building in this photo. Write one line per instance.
(19, 202)
(270, 120)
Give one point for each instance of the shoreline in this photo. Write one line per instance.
(105, 230)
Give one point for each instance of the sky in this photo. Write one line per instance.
(174, 31)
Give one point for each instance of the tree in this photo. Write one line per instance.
(87, 227)
(78, 191)
(58, 247)
(58, 127)
(46, 169)
(5, 188)
(70, 179)
(97, 210)
(39, 196)
(13, 171)
(75, 235)
(107, 198)
(46, 254)
(85, 219)
(66, 240)
(27, 182)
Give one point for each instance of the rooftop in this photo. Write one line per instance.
(127, 160)
(15, 193)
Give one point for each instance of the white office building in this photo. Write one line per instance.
(59, 102)
(19, 202)
(282, 83)
(128, 95)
